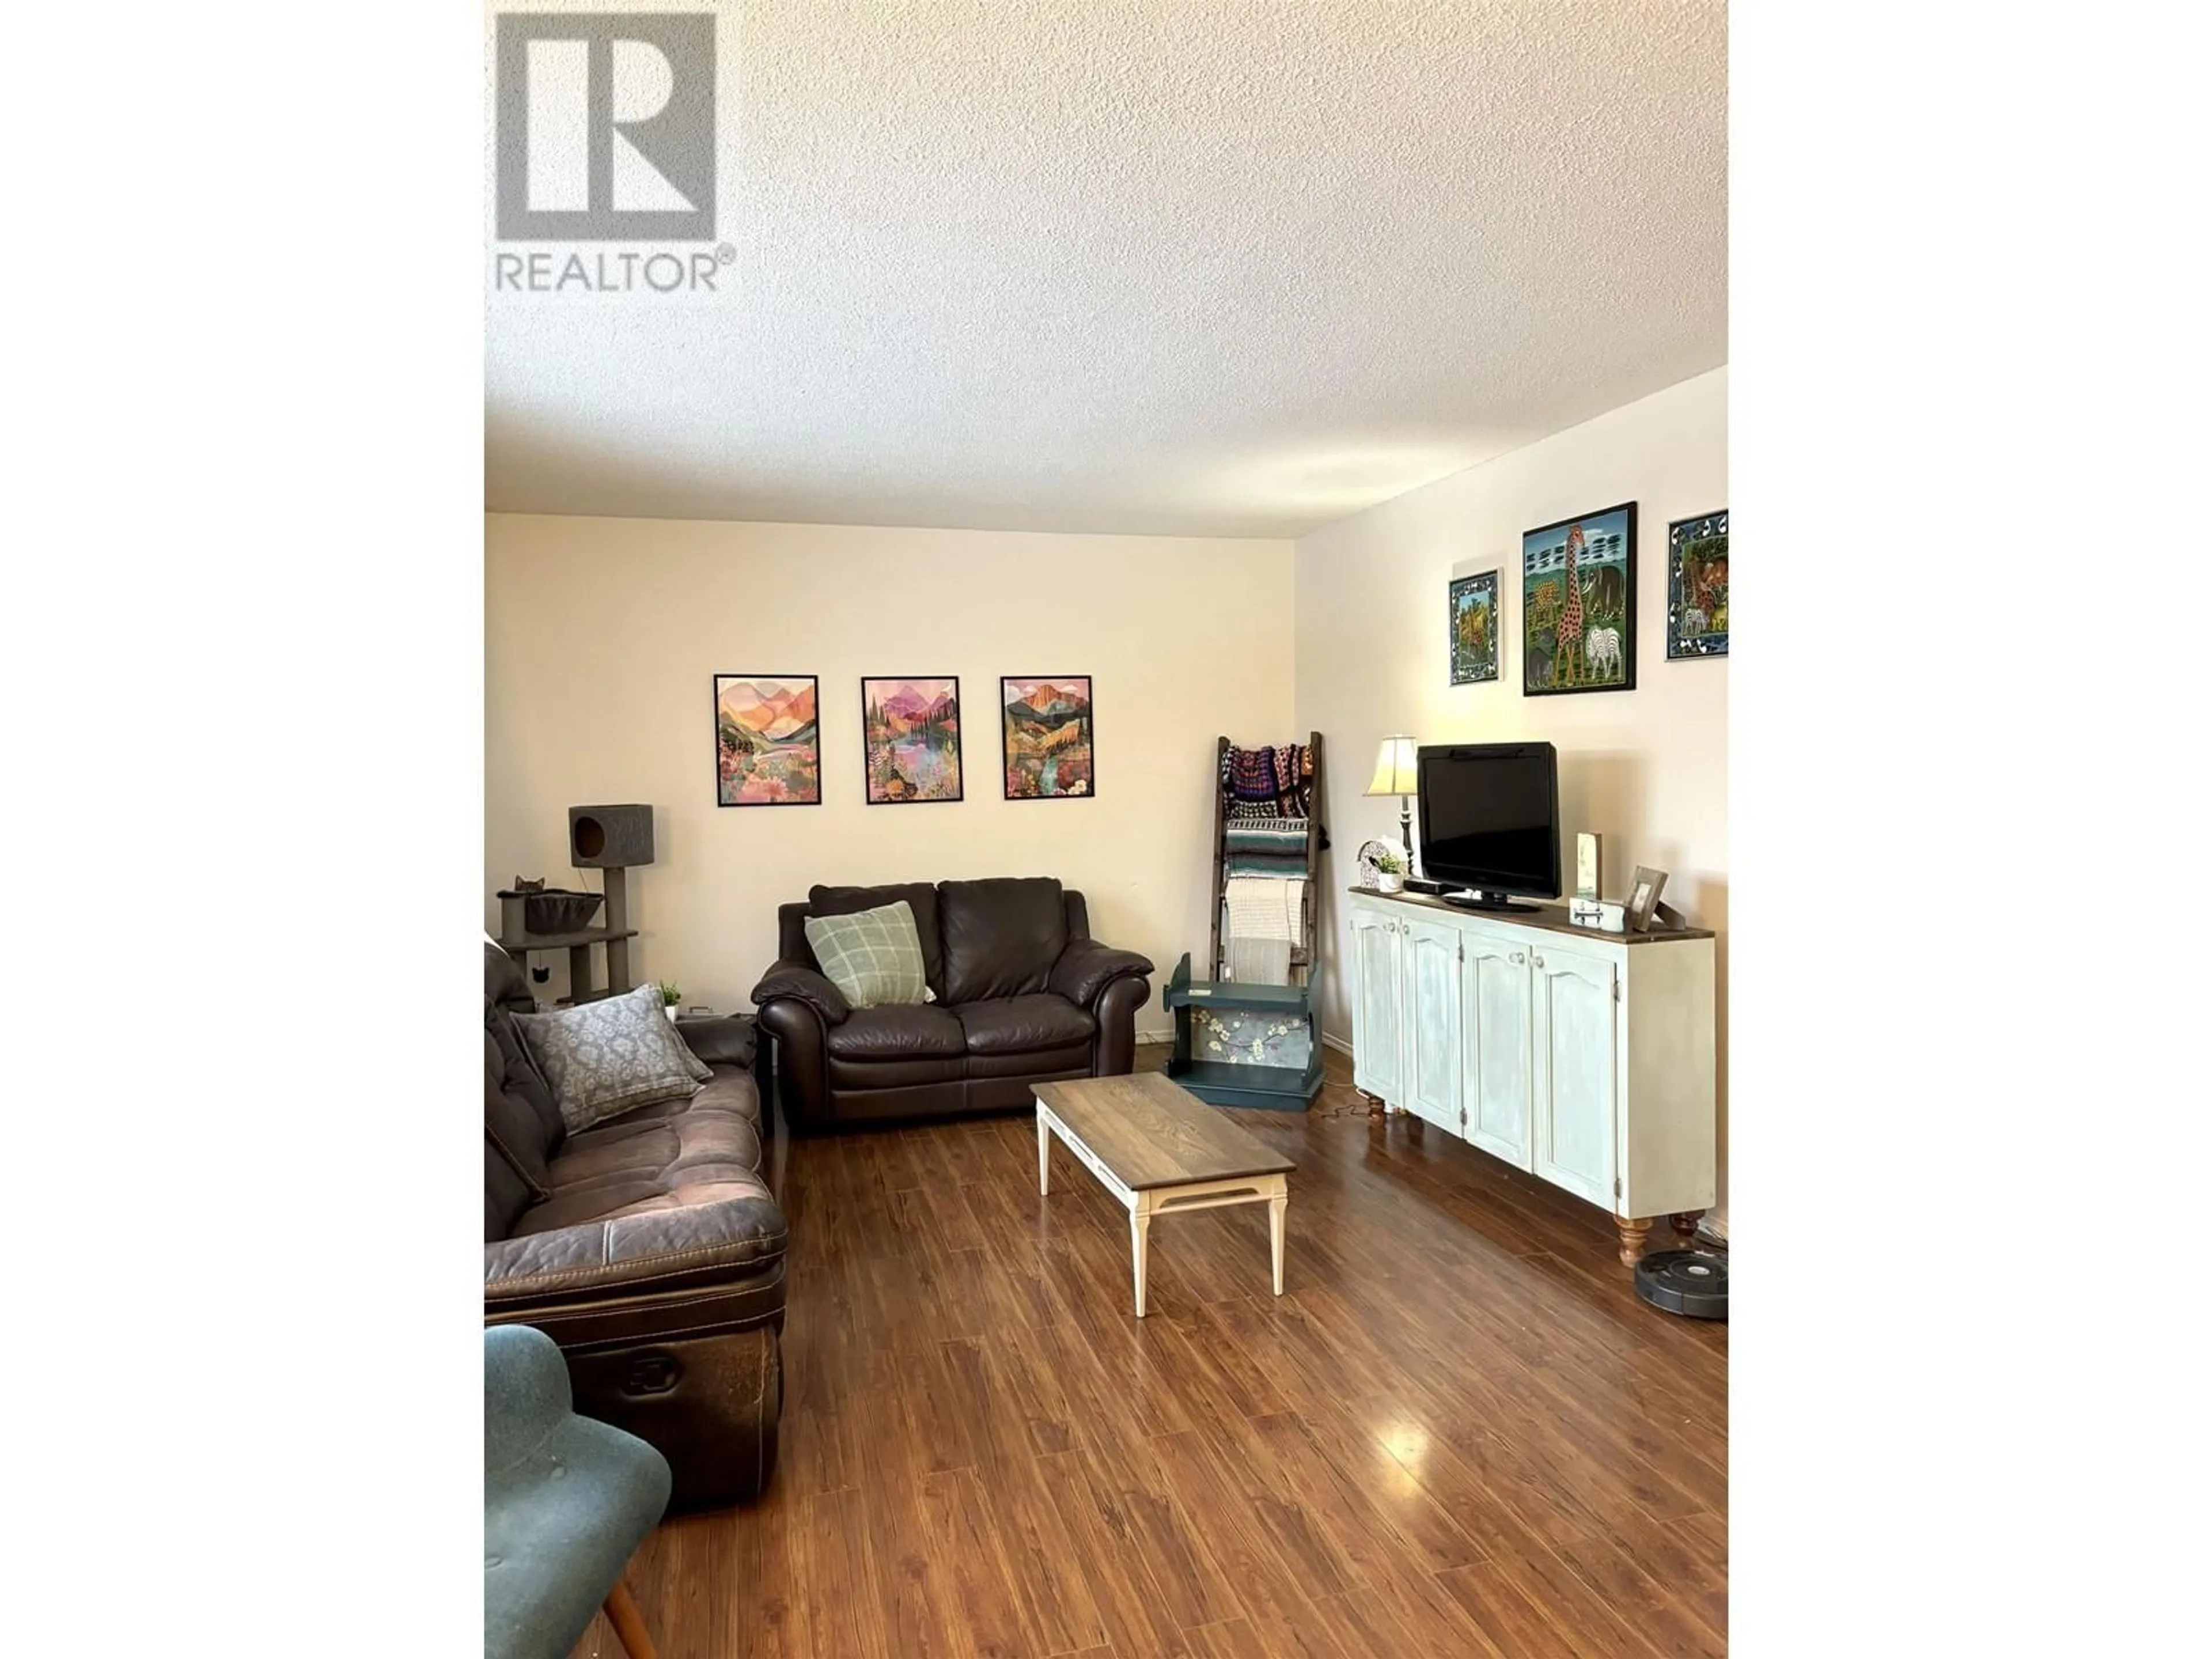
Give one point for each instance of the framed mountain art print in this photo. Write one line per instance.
(1050, 748)
(910, 732)
(767, 742)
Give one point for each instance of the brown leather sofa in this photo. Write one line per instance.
(649, 1247)
(1024, 995)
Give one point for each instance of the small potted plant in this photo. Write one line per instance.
(670, 994)
(1389, 871)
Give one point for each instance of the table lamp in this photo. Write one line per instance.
(1394, 775)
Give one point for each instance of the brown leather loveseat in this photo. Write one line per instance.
(649, 1247)
(1023, 995)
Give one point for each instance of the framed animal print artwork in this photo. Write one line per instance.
(1475, 628)
(768, 743)
(1046, 723)
(1578, 604)
(1697, 586)
(910, 732)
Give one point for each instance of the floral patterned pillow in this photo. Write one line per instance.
(603, 1059)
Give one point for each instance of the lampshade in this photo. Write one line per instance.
(1394, 767)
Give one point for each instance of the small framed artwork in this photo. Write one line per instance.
(1589, 877)
(910, 736)
(1049, 739)
(1644, 897)
(1578, 604)
(1475, 628)
(1697, 586)
(767, 742)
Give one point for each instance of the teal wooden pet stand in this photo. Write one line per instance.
(1229, 1082)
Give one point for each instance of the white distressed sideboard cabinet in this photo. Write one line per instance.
(1585, 1058)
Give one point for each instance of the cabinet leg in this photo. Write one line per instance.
(1375, 1107)
(1685, 1223)
(1633, 1233)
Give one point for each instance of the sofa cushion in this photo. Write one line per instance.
(665, 1197)
(504, 983)
(921, 898)
(511, 1123)
(872, 956)
(1002, 936)
(506, 1196)
(851, 1077)
(1074, 1061)
(656, 1157)
(523, 1080)
(1022, 1026)
(522, 1073)
(901, 1033)
(610, 1056)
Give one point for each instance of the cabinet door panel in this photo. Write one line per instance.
(1431, 1046)
(1498, 1089)
(1574, 1029)
(1375, 1006)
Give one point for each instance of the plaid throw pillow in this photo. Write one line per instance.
(872, 956)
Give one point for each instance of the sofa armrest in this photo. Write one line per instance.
(788, 979)
(1086, 968)
(698, 1243)
(721, 1040)
(1115, 1053)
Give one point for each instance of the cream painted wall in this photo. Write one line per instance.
(1647, 769)
(603, 636)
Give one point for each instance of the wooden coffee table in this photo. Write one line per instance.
(1159, 1148)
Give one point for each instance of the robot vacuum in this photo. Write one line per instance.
(1693, 1282)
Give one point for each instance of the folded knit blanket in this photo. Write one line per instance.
(1259, 960)
(1265, 907)
(1278, 781)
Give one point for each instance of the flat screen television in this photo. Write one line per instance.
(1489, 820)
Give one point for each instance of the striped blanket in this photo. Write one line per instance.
(1266, 835)
(1263, 863)
(1264, 847)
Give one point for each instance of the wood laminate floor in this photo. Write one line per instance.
(1457, 1431)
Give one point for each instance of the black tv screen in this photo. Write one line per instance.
(1490, 816)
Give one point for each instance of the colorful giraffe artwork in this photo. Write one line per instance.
(1569, 634)
(1578, 604)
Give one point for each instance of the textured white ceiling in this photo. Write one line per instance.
(1173, 266)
